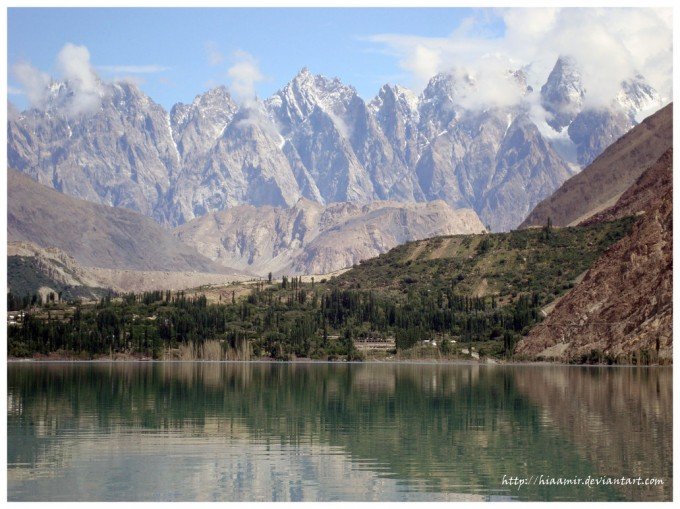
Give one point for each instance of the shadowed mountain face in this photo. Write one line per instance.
(317, 139)
(599, 185)
(436, 431)
(94, 235)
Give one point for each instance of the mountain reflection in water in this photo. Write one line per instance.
(267, 431)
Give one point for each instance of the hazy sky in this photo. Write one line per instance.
(174, 54)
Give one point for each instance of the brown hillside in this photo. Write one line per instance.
(94, 235)
(643, 194)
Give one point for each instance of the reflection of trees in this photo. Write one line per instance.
(438, 428)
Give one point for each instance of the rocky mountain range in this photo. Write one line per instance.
(317, 139)
(592, 129)
(307, 238)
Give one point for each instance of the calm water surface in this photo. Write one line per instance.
(229, 431)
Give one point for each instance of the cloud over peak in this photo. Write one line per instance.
(33, 83)
(74, 63)
(134, 69)
(73, 66)
(608, 45)
(244, 74)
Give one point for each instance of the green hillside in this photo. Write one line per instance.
(503, 264)
(25, 277)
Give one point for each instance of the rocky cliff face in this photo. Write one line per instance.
(622, 309)
(120, 154)
(643, 195)
(317, 139)
(562, 95)
(313, 239)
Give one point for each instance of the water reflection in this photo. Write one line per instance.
(211, 431)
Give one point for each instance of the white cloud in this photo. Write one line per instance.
(609, 45)
(423, 61)
(74, 67)
(74, 64)
(213, 54)
(14, 90)
(244, 74)
(133, 69)
(254, 117)
(33, 82)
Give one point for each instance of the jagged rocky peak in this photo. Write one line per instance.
(317, 138)
(438, 105)
(449, 95)
(396, 111)
(60, 96)
(395, 98)
(563, 94)
(295, 102)
(591, 127)
(443, 88)
(212, 111)
(108, 143)
(519, 76)
(251, 123)
(637, 97)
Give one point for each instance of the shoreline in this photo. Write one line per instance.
(428, 362)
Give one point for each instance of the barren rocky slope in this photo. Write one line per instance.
(622, 309)
(312, 239)
(31, 268)
(615, 170)
(643, 194)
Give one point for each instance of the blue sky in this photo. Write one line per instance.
(185, 51)
(175, 54)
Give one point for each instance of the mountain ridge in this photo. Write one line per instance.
(310, 238)
(315, 138)
(94, 235)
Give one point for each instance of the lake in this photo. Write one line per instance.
(199, 431)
